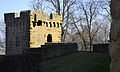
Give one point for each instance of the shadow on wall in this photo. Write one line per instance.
(29, 60)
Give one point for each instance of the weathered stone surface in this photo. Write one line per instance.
(101, 47)
(31, 30)
(39, 34)
(115, 36)
(31, 59)
(20, 63)
(52, 50)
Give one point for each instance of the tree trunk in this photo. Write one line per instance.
(90, 44)
(115, 36)
(58, 3)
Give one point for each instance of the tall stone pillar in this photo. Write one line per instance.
(115, 36)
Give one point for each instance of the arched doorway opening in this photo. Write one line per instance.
(49, 38)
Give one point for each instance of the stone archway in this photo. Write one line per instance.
(49, 38)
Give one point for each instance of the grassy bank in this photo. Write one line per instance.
(78, 62)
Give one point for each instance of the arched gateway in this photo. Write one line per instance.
(49, 38)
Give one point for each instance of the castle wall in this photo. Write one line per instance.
(101, 47)
(31, 59)
(31, 30)
(39, 33)
(17, 34)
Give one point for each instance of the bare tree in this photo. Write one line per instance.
(89, 11)
(37, 4)
(105, 5)
(83, 20)
(104, 32)
(2, 36)
(80, 32)
(64, 7)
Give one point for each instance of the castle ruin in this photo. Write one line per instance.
(31, 30)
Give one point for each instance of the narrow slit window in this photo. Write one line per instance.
(39, 23)
(61, 24)
(54, 24)
(17, 42)
(57, 25)
(46, 24)
(51, 16)
(50, 24)
(34, 23)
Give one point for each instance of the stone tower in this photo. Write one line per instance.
(31, 30)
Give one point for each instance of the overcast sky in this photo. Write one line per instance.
(7, 6)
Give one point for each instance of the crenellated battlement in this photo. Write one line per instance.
(10, 16)
(31, 29)
(32, 13)
(37, 17)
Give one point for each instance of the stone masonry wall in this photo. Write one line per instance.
(20, 63)
(53, 49)
(41, 26)
(17, 33)
(30, 60)
(31, 30)
(102, 47)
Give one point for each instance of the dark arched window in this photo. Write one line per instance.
(51, 16)
(61, 24)
(39, 23)
(54, 24)
(46, 24)
(50, 24)
(57, 25)
(34, 22)
(49, 38)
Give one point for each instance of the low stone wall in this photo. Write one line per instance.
(20, 63)
(51, 50)
(30, 60)
(102, 47)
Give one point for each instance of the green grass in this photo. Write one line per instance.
(78, 62)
